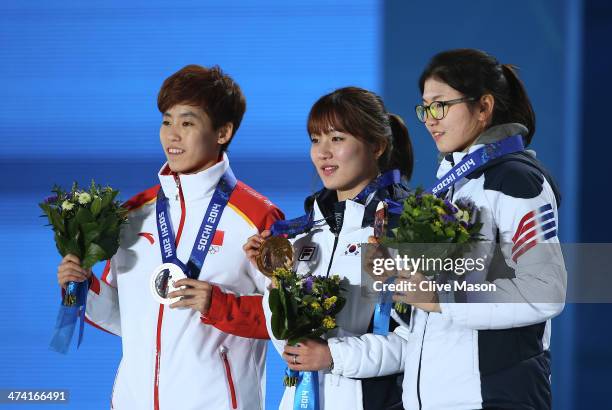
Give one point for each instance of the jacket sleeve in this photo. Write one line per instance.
(536, 291)
(103, 302)
(370, 355)
(242, 315)
(237, 315)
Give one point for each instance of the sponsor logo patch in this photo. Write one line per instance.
(307, 253)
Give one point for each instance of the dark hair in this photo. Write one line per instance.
(475, 73)
(362, 114)
(208, 88)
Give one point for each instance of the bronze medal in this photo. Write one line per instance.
(275, 252)
(380, 220)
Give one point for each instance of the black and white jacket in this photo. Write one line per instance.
(479, 355)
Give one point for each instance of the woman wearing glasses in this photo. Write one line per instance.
(479, 355)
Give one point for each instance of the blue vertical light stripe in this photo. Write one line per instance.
(565, 344)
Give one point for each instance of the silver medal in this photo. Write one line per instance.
(162, 282)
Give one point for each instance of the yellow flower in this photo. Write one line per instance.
(315, 305)
(282, 273)
(329, 322)
(329, 302)
(439, 210)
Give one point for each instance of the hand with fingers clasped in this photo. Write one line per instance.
(195, 295)
(308, 355)
(70, 270)
(419, 294)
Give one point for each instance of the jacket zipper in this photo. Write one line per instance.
(160, 314)
(228, 374)
(420, 360)
(331, 260)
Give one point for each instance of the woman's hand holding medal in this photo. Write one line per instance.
(194, 294)
(253, 246)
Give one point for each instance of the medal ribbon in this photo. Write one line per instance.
(293, 227)
(306, 391)
(67, 318)
(209, 225)
(382, 311)
(475, 160)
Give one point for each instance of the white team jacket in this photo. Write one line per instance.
(319, 252)
(171, 360)
(481, 354)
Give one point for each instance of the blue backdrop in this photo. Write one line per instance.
(78, 86)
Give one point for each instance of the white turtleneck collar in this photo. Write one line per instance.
(195, 186)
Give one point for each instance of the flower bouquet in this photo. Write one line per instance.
(303, 306)
(436, 228)
(85, 223)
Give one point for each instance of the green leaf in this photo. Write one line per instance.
(108, 197)
(71, 246)
(93, 254)
(96, 206)
(109, 243)
(45, 207)
(56, 220)
(60, 243)
(91, 236)
(277, 314)
(84, 216)
(72, 228)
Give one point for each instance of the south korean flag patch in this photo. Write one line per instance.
(307, 253)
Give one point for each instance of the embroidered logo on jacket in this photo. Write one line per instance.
(536, 226)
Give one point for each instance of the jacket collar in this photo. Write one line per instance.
(194, 186)
(353, 214)
(356, 214)
(493, 134)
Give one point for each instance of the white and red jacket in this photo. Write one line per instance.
(173, 359)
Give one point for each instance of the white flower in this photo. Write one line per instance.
(84, 198)
(67, 205)
(462, 216)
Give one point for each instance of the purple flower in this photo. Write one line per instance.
(308, 284)
(449, 218)
(449, 205)
(51, 199)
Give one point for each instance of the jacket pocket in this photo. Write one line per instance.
(228, 375)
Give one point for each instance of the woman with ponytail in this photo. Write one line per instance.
(363, 156)
(465, 349)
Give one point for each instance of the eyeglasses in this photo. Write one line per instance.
(438, 109)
